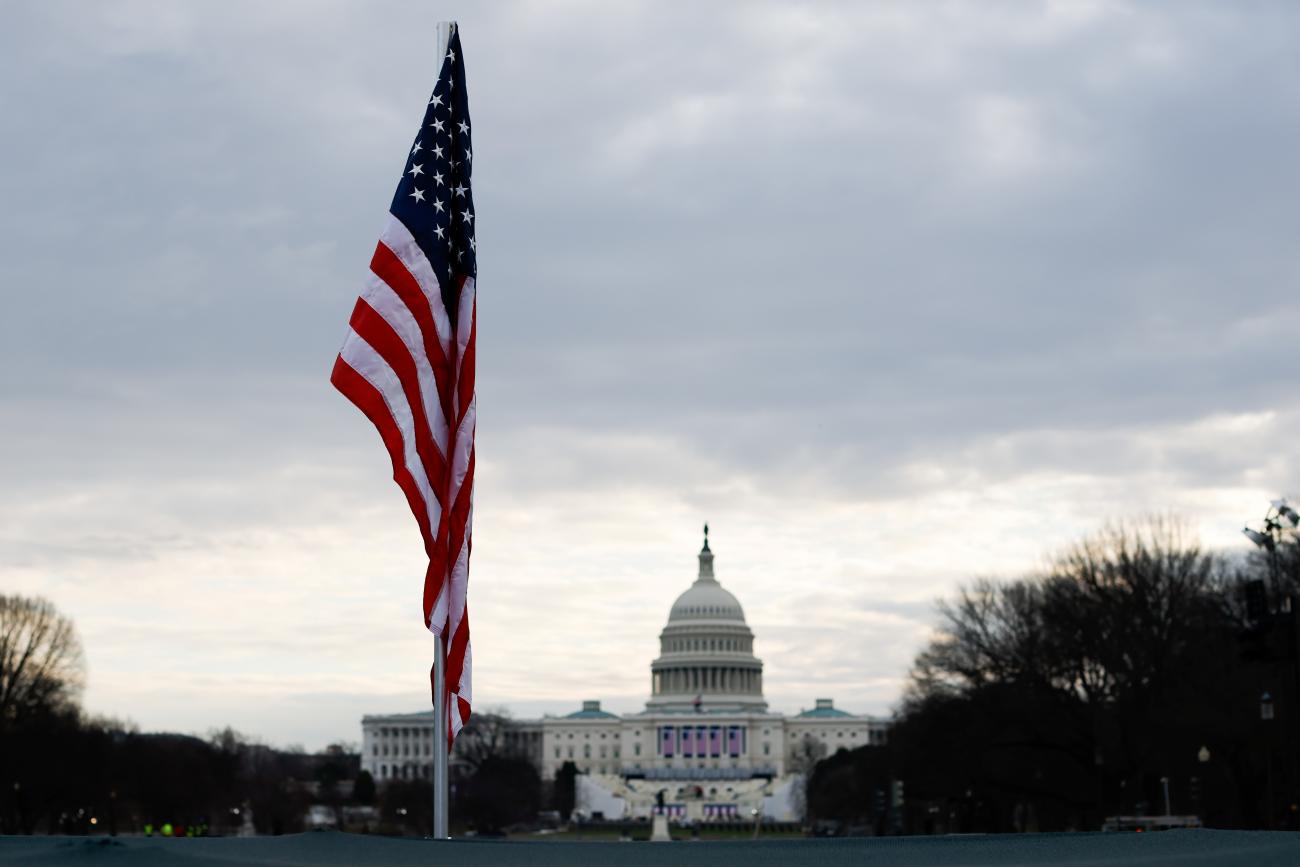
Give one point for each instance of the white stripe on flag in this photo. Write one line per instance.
(398, 238)
(371, 367)
(380, 296)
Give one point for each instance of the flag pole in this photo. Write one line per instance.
(440, 787)
(441, 741)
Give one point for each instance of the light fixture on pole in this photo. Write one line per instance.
(1285, 511)
(1261, 539)
(1279, 517)
(1280, 522)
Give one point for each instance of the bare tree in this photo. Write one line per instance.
(486, 736)
(993, 632)
(42, 668)
(1124, 606)
(804, 754)
(1107, 620)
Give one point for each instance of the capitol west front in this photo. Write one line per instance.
(706, 738)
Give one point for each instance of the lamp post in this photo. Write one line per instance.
(1203, 757)
(1266, 717)
(1280, 523)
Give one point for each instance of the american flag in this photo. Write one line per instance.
(408, 359)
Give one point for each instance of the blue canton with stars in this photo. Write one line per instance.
(433, 199)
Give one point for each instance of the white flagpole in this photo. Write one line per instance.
(440, 783)
(440, 788)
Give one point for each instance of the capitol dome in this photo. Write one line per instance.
(706, 652)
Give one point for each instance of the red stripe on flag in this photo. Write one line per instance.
(456, 653)
(460, 513)
(371, 403)
(465, 382)
(456, 648)
(435, 579)
(387, 267)
(375, 330)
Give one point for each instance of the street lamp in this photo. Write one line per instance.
(1279, 515)
(1266, 716)
(1285, 511)
(1262, 540)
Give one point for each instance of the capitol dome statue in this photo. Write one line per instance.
(706, 652)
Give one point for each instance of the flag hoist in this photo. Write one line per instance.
(407, 362)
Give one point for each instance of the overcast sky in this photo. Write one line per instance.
(892, 295)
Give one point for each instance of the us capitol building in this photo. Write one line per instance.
(706, 738)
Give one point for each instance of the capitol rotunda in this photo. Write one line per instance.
(706, 652)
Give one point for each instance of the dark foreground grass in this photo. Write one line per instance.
(1253, 848)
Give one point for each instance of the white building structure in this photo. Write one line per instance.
(706, 740)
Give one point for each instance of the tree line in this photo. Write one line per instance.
(1135, 674)
(62, 771)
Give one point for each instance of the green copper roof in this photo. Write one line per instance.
(590, 714)
(823, 713)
